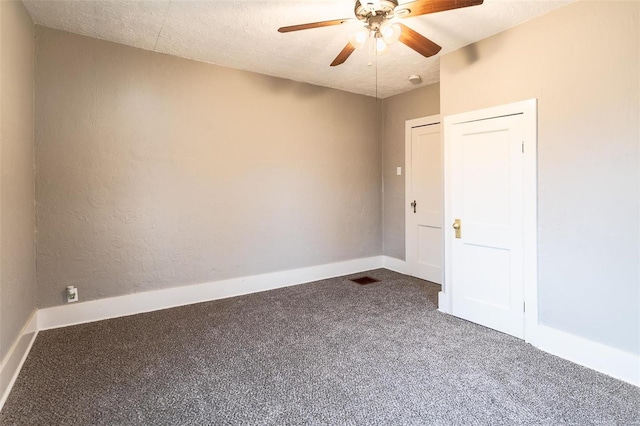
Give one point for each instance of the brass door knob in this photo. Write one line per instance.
(457, 226)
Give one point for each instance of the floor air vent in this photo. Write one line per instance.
(364, 280)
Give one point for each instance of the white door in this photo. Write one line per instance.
(486, 196)
(424, 202)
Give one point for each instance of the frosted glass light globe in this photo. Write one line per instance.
(359, 38)
(390, 32)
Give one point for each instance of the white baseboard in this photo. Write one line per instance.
(599, 357)
(587, 353)
(113, 307)
(596, 356)
(395, 265)
(12, 363)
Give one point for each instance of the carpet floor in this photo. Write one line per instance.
(330, 352)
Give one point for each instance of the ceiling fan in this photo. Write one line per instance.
(379, 17)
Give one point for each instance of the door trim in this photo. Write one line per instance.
(528, 109)
(408, 126)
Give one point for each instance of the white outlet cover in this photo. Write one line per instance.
(399, 171)
(75, 297)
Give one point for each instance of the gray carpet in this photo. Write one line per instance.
(330, 352)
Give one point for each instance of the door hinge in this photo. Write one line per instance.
(523, 147)
(524, 307)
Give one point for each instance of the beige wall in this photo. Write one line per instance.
(581, 62)
(156, 171)
(17, 213)
(397, 109)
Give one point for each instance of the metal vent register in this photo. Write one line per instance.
(364, 280)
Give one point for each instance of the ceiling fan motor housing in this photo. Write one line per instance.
(380, 9)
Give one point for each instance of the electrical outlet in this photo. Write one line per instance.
(72, 294)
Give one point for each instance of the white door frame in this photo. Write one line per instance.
(408, 125)
(528, 109)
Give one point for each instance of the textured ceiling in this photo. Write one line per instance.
(243, 35)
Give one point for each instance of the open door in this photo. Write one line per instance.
(488, 225)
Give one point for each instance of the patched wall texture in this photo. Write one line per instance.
(582, 64)
(17, 211)
(156, 171)
(397, 109)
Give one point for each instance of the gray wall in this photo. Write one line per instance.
(397, 109)
(581, 62)
(17, 212)
(156, 171)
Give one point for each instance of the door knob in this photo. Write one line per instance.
(414, 204)
(457, 226)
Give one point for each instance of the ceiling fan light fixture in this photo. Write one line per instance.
(359, 38)
(381, 46)
(390, 32)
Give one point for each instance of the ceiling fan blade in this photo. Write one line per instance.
(313, 25)
(343, 55)
(423, 7)
(418, 42)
